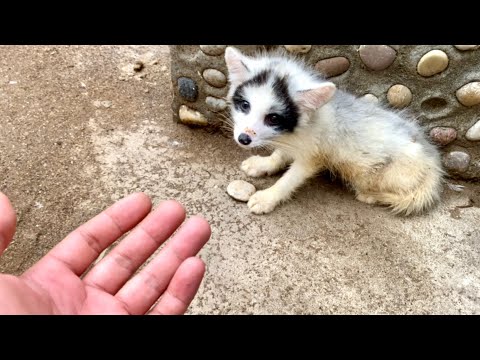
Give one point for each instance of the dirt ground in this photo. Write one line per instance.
(79, 128)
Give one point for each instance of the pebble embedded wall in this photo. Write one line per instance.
(439, 85)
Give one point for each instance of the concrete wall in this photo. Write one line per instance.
(440, 85)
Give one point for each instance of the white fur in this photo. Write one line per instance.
(253, 121)
(384, 156)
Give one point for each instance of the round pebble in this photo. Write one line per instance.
(333, 66)
(241, 190)
(298, 49)
(469, 94)
(377, 57)
(216, 104)
(371, 98)
(213, 50)
(432, 63)
(466, 47)
(187, 88)
(473, 134)
(443, 135)
(457, 161)
(399, 96)
(191, 117)
(215, 78)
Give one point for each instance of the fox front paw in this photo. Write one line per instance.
(262, 202)
(257, 166)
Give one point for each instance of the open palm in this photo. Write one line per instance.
(60, 283)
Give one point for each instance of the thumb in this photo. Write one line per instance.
(8, 221)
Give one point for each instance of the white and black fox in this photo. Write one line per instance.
(277, 101)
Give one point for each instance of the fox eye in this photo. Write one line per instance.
(245, 105)
(272, 119)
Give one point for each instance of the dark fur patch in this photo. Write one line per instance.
(258, 80)
(289, 114)
(238, 98)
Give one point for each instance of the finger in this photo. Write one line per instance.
(182, 288)
(144, 289)
(8, 221)
(120, 264)
(81, 247)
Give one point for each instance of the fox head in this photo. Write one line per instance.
(271, 95)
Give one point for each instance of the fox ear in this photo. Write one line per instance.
(315, 98)
(237, 70)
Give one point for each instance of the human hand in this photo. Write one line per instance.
(59, 284)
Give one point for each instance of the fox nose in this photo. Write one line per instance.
(244, 139)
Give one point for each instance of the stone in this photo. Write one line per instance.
(105, 104)
(457, 161)
(215, 78)
(469, 94)
(138, 66)
(191, 117)
(466, 47)
(187, 89)
(213, 50)
(432, 63)
(298, 49)
(377, 57)
(371, 98)
(333, 66)
(399, 96)
(216, 104)
(241, 190)
(443, 135)
(473, 134)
